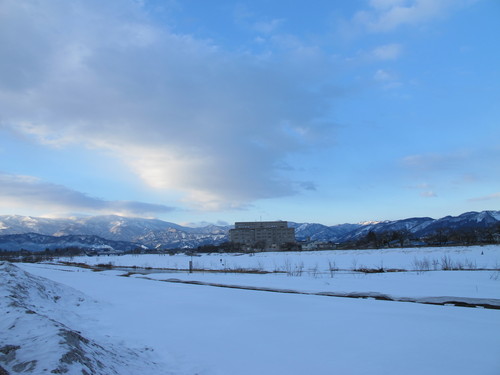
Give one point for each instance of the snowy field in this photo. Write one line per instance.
(309, 261)
(176, 328)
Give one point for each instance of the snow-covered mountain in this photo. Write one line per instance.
(152, 233)
(415, 227)
(319, 232)
(155, 233)
(466, 221)
(412, 225)
(40, 242)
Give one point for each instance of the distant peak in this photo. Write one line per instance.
(370, 222)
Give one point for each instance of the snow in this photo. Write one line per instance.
(481, 256)
(495, 214)
(207, 330)
(47, 327)
(371, 222)
(470, 284)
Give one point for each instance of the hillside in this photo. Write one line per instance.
(128, 232)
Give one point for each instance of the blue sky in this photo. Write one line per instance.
(222, 111)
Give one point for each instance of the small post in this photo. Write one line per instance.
(190, 266)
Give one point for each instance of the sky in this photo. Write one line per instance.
(219, 111)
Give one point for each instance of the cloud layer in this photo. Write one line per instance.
(490, 197)
(388, 15)
(183, 114)
(24, 191)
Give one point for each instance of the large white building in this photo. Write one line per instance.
(262, 234)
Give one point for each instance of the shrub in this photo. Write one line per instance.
(332, 267)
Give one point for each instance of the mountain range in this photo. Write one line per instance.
(414, 227)
(40, 242)
(124, 233)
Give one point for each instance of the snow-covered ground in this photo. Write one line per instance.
(406, 258)
(470, 284)
(47, 327)
(199, 329)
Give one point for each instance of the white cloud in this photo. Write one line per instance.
(388, 80)
(387, 4)
(267, 27)
(388, 15)
(382, 75)
(490, 197)
(249, 20)
(387, 52)
(454, 171)
(30, 192)
(180, 112)
(436, 161)
(428, 194)
(420, 186)
(425, 188)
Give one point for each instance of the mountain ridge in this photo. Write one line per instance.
(156, 233)
(40, 242)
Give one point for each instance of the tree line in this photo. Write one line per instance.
(440, 237)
